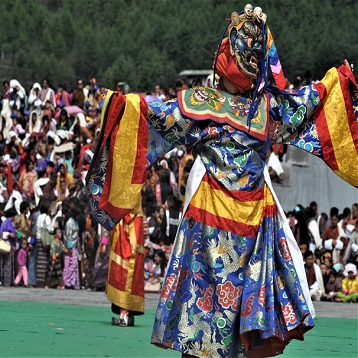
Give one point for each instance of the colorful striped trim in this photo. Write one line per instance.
(336, 124)
(128, 141)
(125, 284)
(231, 211)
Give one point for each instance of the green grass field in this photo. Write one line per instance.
(54, 330)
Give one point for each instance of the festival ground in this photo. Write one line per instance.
(52, 323)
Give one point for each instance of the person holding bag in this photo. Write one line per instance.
(42, 254)
(7, 261)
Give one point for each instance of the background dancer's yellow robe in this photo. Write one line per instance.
(125, 284)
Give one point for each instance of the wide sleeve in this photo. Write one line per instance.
(322, 120)
(132, 136)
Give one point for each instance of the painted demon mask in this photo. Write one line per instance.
(246, 40)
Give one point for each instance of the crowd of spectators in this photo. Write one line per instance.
(47, 141)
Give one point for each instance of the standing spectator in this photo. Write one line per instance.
(22, 223)
(172, 219)
(41, 254)
(316, 243)
(301, 233)
(79, 95)
(352, 249)
(78, 210)
(159, 92)
(343, 240)
(71, 241)
(148, 200)
(55, 274)
(22, 263)
(100, 271)
(354, 218)
(320, 218)
(7, 265)
(47, 95)
(163, 189)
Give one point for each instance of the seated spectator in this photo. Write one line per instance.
(64, 122)
(338, 269)
(28, 180)
(325, 275)
(330, 240)
(314, 276)
(326, 258)
(64, 175)
(62, 193)
(62, 98)
(35, 122)
(349, 291)
(331, 288)
(154, 270)
(352, 249)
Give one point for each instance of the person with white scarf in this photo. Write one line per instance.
(34, 100)
(17, 95)
(314, 276)
(35, 121)
(15, 100)
(47, 94)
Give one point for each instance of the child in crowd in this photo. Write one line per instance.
(154, 271)
(326, 258)
(325, 275)
(55, 275)
(22, 264)
(349, 291)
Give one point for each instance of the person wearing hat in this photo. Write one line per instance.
(235, 283)
(349, 291)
